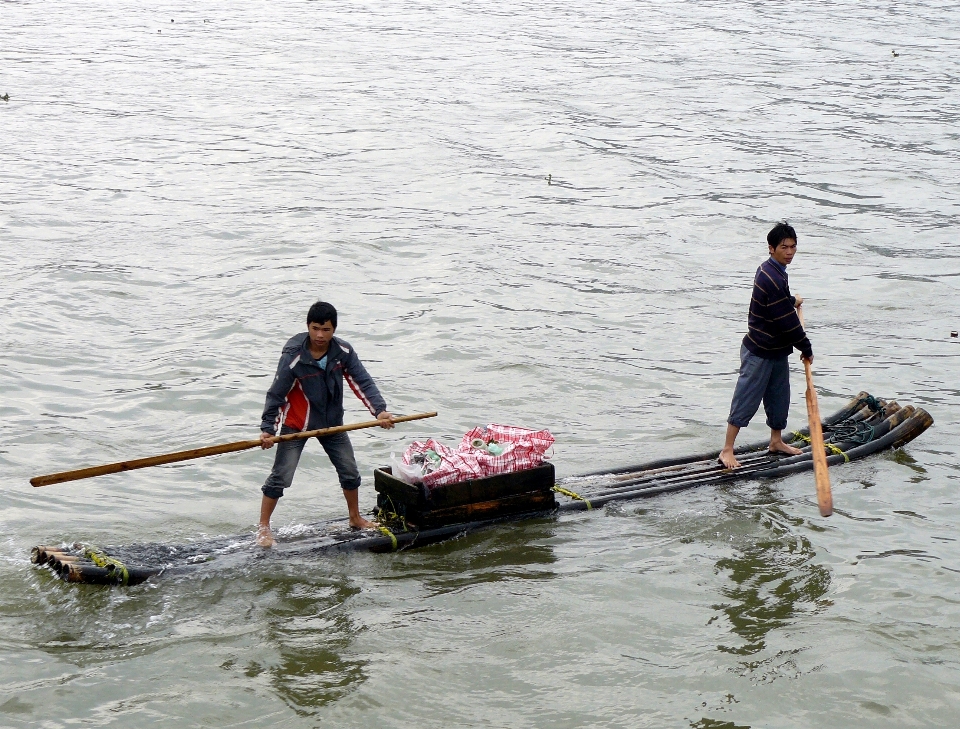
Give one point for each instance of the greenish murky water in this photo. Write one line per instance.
(174, 195)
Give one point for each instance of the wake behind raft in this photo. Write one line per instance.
(409, 516)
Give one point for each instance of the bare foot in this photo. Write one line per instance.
(361, 523)
(728, 459)
(780, 447)
(265, 537)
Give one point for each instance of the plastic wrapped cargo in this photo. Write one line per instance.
(483, 451)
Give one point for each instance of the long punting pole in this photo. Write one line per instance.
(824, 497)
(215, 450)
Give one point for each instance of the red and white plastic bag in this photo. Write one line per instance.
(482, 452)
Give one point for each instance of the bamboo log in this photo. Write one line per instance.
(906, 431)
(754, 465)
(850, 409)
(215, 450)
(90, 574)
(42, 553)
(821, 475)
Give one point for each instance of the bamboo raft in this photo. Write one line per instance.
(409, 518)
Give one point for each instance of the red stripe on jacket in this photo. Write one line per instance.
(359, 393)
(296, 413)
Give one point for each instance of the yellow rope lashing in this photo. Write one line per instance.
(391, 517)
(388, 533)
(107, 562)
(572, 495)
(829, 446)
(836, 451)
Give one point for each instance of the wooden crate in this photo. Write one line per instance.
(471, 500)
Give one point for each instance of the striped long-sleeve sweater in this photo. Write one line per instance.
(774, 328)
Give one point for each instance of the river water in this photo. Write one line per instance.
(545, 214)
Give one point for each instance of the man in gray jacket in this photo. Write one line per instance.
(307, 394)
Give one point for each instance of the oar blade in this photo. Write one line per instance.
(820, 472)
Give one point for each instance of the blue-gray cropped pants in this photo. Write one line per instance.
(766, 380)
(338, 449)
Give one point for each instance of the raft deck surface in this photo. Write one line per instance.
(865, 426)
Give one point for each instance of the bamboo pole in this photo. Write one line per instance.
(215, 450)
(824, 497)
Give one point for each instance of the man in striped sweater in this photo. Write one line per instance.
(773, 330)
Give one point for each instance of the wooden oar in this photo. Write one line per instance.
(824, 497)
(240, 445)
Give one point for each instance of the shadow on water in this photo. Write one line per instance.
(312, 632)
(508, 552)
(311, 637)
(773, 579)
(286, 625)
(903, 458)
(286, 629)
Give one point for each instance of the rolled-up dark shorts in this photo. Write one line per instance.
(761, 380)
(338, 449)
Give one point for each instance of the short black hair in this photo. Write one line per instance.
(322, 312)
(781, 231)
